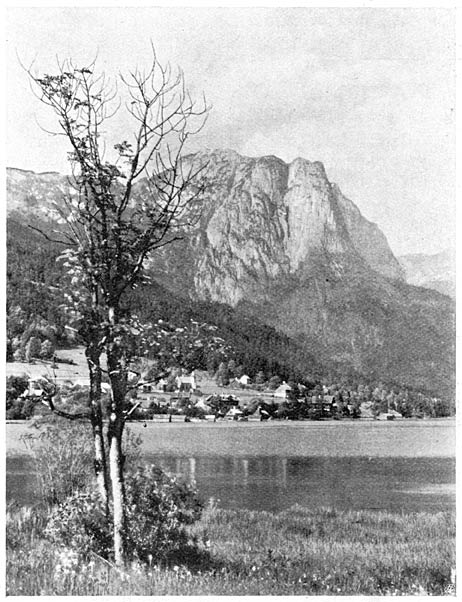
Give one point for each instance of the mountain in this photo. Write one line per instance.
(437, 272)
(265, 221)
(281, 245)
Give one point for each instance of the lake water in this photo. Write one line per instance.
(402, 468)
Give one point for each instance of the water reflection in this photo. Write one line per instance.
(275, 483)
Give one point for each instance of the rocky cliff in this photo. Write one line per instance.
(281, 243)
(265, 221)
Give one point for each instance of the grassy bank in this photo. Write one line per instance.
(295, 552)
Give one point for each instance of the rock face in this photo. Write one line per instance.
(265, 221)
(31, 193)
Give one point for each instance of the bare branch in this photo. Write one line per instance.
(45, 235)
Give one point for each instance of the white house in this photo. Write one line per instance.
(34, 389)
(282, 391)
(186, 383)
(244, 380)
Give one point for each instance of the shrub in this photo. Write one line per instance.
(79, 523)
(63, 457)
(157, 510)
(314, 414)
(33, 348)
(194, 412)
(19, 355)
(47, 350)
(18, 408)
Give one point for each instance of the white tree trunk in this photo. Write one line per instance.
(117, 483)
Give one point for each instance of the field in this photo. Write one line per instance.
(77, 372)
(295, 552)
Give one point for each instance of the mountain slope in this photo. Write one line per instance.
(278, 242)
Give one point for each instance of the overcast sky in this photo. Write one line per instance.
(369, 92)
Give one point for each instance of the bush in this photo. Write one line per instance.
(79, 523)
(20, 409)
(157, 510)
(47, 350)
(63, 457)
(194, 412)
(314, 414)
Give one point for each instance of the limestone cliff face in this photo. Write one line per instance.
(265, 221)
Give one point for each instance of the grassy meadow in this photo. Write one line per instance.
(294, 552)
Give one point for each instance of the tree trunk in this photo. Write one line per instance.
(118, 377)
(116, 463)
(100, 460)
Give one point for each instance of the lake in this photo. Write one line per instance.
(402, 466)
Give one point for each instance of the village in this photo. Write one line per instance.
(198, 396)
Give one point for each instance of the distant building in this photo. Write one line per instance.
(186, 384)
(244, 380)
(390, 415)
(34, 389)
(283, 391)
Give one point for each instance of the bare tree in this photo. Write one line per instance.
(117, 212)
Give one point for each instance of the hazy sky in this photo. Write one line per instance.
(369, 92)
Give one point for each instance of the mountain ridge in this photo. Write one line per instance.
(436, 271)
(279, 242)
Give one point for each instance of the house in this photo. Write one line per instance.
(390, 415)
(34, 389)
(283, 391)
(234, 414)
(202, 405)
(186, 384)
(161, 385)
(244, 380)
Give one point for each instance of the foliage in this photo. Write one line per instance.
(34, 286)
(47, 349)
(79, 522)
(15, 386)
(157, 510)
(63, 457)
(18, 408)
(33, 349)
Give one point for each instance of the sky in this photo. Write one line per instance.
(369, 92)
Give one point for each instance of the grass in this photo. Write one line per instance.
(294, 552)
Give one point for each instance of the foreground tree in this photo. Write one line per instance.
(116, 213)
